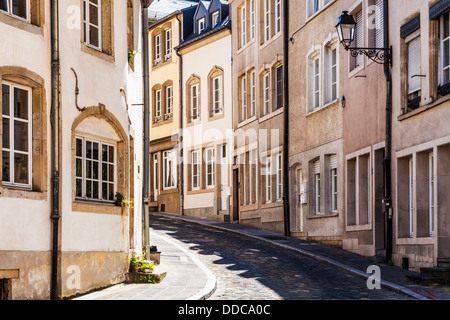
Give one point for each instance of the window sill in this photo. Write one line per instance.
(97, 53)
(313, 16)
(98, 207)
(415, 241)
(7, 191)
(248, 44)
(162, 122)
(267, 43)
(355, 71)
(329, 104)
(271, 115)
(323, 215)
(246, 122)
(20, 23)
(423, 108)
(362, 227)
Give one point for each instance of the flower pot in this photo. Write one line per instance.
(134, 268)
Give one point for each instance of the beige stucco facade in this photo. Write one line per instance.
(316, 124)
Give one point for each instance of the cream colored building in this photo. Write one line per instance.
(164, 35)
(208, 112)
(96, 143)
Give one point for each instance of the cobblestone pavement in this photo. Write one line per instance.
(247, 269)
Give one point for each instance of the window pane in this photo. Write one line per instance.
(104, 153)
(104, 172)
(446, 25)
(19, 8)
(89, 169)
(5, 133)
(20, 103)
(93, 36)
(95, 151)
(104, 191)
(21, 136)
(3, 5)
(95, 170)
(6, 167)
(79, 148)
(88, 150)
(20, 168)
(446, 53)
(78, 188)
(111, 154)
(88, 189)
(95, 190)
(79, 168)
(5, 100)
(111, 173)
(93, 15)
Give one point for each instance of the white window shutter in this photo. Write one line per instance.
(414, 68)
(333, 162)
(379, 24)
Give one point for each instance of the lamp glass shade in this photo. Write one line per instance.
(346, 29)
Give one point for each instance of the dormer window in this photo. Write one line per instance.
(215, 18)
(201, 25)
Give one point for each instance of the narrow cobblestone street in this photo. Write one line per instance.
(250, 270)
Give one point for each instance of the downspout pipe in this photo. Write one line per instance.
(181, 137)
(146, 142)
(55, 286)
(286, 119)
(388, 143)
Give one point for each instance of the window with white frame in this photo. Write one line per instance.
(316, 187)
(209, 158)
(334, 185)
(157, 49)
(195, 175)
(169, 101)
(169, 169)
(158, 105)
(279, 87)
(413, 43)
(277, 16)
(201, 25)
(92, 23)
(215, 18)
(217, 96)
(266, 93)
(279, 177)
(268, 180)
(314, 6)
(431, 184)
(411, 196)
(316, 83)
(16, 8)
(358, 61)
(244, 97)
(252, 93)
(252, 19)
(331, 75)
(444, 69)
(95, 169)
(168, 54)
(17, 135)
(266, 20)
(195, 102)
(243, 11)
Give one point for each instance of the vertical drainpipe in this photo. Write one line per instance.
(388, 146)
(180, 37)
(146, 142)
(55, 290)
(286, 118)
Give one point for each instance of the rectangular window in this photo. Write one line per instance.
(201, 25)
(243, 26)
(195, 170)
(215, 18)
(195, 107)
(376, 23)
(316, 83)
(168, 45)
(92, 23)
(155, 177)
(268, 180)
(252, 19)
(333, 178)
(266, 20)
(266, 93)
(169, 100)
(244, 97)
(157, 49)
(169, 169)
(411, 197)
(358, 61)
(217, 95)
(95, 169)
(209, 167)
(16, 8)
(316, 189)
(279, 88)
(414, 68)
(16, 135)
(431, 193)
(445, 49)
(279, 178)
(277, 16)
(252, 93)
(334, 74)
(158, 106)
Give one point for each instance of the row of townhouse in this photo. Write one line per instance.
(365, 144)
(70, 131)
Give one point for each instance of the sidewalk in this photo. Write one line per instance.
(392, 278)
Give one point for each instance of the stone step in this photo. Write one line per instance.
(437, 272)
(142, 277)
(427, 280)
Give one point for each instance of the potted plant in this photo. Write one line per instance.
(146, 267)
(136, 262)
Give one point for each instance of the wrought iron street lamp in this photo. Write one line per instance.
(346, 29)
